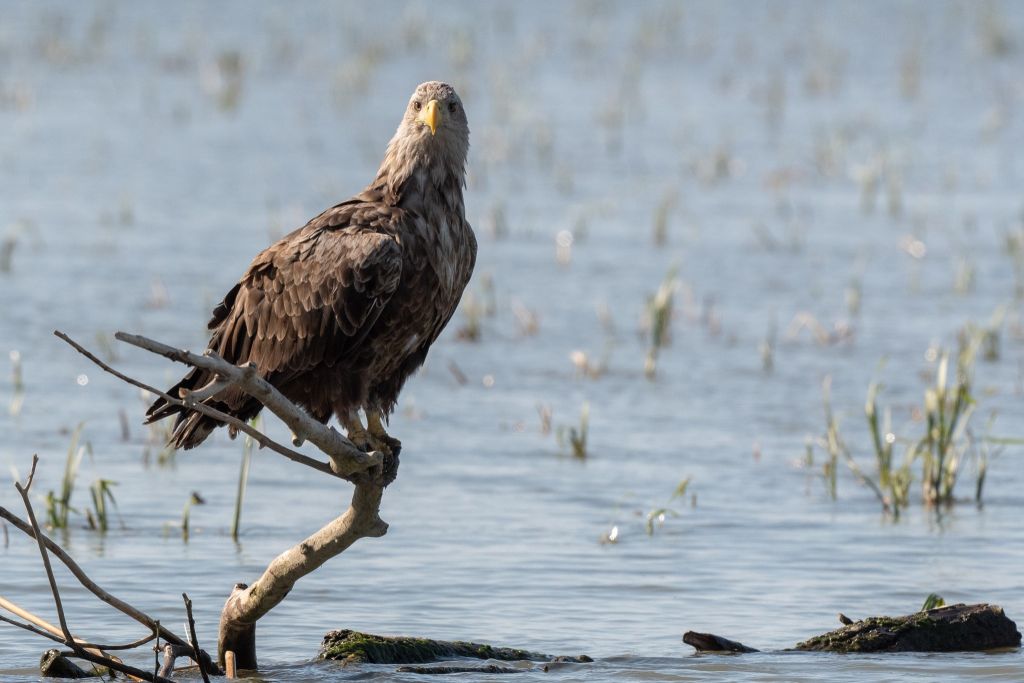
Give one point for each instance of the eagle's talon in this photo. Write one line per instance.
(361, 444)
(383, 441)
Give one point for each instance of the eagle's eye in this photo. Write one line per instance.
(452, 106)
(417, 105)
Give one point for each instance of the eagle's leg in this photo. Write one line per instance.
(382, 441)
(354, 427)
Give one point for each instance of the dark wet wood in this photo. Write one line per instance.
(53, 664)
(955, 628)
(491, 669)
(709, 642)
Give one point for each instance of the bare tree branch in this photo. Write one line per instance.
(259, 437)
(195, 641)
(69, 640)
(89, 584)
(346, 458)
(33, 629)
(370, 472)
(52, 631)
(23, 490)
(248, 603)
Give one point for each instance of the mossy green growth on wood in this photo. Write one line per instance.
(353, 647)
(943, 629)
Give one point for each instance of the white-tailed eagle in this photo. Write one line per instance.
(340, 312)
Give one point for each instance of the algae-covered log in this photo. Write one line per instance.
(53, 664)
(944, 629)
(956, 628)
(353, 647)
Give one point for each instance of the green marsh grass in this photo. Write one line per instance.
(243, 476)
(158, 435)
(894, 483)
(58, 506)
(656, 517)
(186, 514)
(933, 601)
(659, 320)
(941, 452)
(99, 517)
(987, 338)
(1014, 247)
(836, 448)
(662, 213)
(948, 407)
(475, 306)
(576, 437)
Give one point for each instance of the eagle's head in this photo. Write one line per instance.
(433, 136)
(435, 114)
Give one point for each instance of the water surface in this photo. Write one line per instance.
(137, 184)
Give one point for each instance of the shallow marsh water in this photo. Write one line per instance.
(141, 172)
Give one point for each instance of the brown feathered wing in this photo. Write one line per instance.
(305, 304)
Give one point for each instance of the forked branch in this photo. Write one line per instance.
(370, 472)
(346, 458)
(87, 651)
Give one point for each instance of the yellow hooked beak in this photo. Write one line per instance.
(431, 116)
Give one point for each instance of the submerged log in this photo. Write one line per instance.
(435, 670)
(709, 642)
(955, 628)
(54, 664)
(353, 647)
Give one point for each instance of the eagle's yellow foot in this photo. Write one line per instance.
(355, 431)
(383, 441)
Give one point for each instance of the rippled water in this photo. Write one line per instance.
(137, 184)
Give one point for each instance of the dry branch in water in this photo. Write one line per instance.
(346, 458)
(88, 651)
(342, 446)
(370, 472)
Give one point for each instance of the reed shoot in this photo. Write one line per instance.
(102, 493)
(58, 506)
(186, 515)
(576, 438)
(243, 477)
(659, 318)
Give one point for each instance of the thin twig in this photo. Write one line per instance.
(262, 439)
(126, 646)
(117, 665)
(33, 629)
(33, 619)
(156, 650)
(42, 627)
(23, 490)
(197, 653)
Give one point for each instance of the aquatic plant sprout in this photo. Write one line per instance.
(947, 444)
